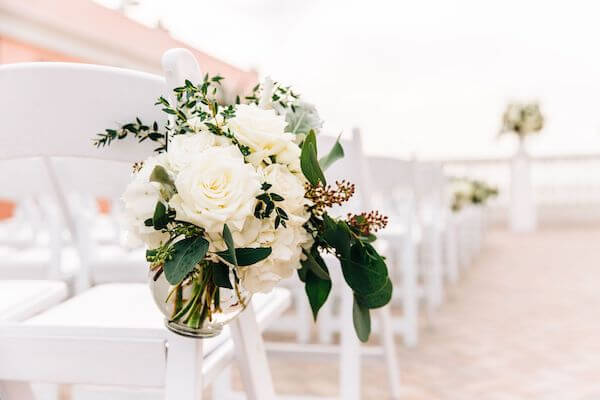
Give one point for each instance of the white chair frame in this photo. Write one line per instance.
(47, 89)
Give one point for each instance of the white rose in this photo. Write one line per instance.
(288, 185)
(140, 198)
(216, 188)
(262, 131)
(185, 148)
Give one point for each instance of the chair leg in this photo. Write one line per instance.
(303, 316)
(350, 356)
(221, 387)
(12, 390)
(252, 357)
(451, 249)
(326, 323)
(184, 368)
(389, 348)
(410, 296)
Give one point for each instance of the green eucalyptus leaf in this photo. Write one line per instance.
(337, 235)
(378, 298)
(317, 290)
(159, 174)
(309, 162)
(362, 321)
(187, 253)
(220, 274)
(336, 152)
(315, 263)
(365, 272)
(160, 218)
(228, 238)
(246, 256)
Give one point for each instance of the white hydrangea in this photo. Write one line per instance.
(140, 198)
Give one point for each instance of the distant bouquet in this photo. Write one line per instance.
(522, 119)
(236, 200)
(467, 191)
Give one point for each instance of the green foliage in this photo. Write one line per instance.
(220, 274)
(309, 162)
(317, 290)
(136, 129)
(266, 205)
(362, 321)
(186, 254)
(336, 152)
(160, 218)
(228, 238)
(246, 256)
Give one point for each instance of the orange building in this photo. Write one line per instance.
(83, 31)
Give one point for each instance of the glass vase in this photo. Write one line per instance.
(197, 307)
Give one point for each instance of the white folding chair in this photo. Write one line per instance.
(31, 241)
(393, 192)
(20, 300)
(52, 110)
(104, 256)
(354, 167)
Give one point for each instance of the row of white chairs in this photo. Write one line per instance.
(425, 246)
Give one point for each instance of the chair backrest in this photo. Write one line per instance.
(54, 109)
(350, 168)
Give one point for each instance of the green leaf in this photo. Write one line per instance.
(228, 238)
(246, 256)
(220, 274)
(159, 174)
(378, 298)
(317, 290)
(362, 321)
(365, 271)
(337, 235)
(309, 162)
(315, 264)
(336, 152)
(160, 218)
(187, 253)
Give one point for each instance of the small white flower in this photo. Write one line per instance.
(216, 188)
(262, 131)
(140, 198)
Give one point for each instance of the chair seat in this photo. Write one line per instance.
(20, 300)
(37, 263)
(112, 263)
(130, 306)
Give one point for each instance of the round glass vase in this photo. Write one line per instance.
(197, 307)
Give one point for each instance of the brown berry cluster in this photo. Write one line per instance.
(323, 197)
(137, 166)
(367, 223)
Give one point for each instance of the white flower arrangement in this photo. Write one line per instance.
(467, 191)
(522, 119)
(236, 199)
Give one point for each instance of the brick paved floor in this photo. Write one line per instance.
(522, 323)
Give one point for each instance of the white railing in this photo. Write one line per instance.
(566, 187)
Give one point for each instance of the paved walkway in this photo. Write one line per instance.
(522, 323)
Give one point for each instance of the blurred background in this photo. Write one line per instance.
(425, 84)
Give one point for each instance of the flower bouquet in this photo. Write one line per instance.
(522, 119)
(235, 200)
(466, 191)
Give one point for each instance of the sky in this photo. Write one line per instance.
(427, 77)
